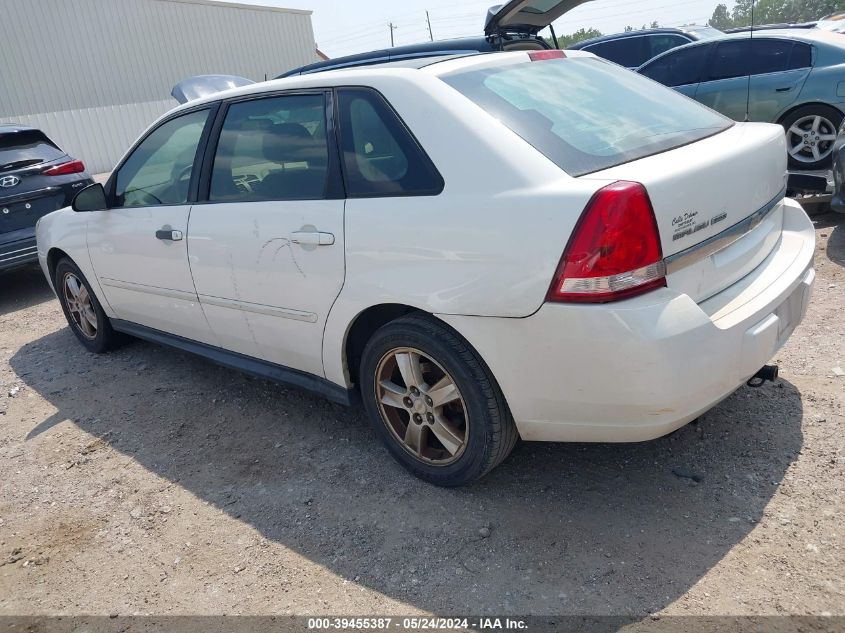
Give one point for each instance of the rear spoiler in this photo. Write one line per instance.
(201, 86)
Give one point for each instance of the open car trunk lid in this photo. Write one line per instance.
(718, 204)
(526, 16)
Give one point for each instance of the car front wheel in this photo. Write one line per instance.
(82, 310)
(434, 402)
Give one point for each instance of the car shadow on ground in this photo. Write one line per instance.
(598, 529)
(23, 288)
(836, 239)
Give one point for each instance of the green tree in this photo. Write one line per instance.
(721, 19)
(565, 41)
(773, 12)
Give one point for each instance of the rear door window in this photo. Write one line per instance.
(731, 59)
(380, 156)
(801, 57)
(626, 51)
(27, 147)
(586, 114)
(657, 44)
(770, 56)
(680, 68)
(272, 149)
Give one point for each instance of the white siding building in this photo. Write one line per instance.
(94, 73)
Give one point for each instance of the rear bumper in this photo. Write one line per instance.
(641, 368)
(17, 248)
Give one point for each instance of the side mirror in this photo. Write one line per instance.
(92, 198)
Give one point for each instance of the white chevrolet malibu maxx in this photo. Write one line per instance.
(536, 245)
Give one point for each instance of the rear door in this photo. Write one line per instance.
(776, 77)
(724, 86)
(779, 70)
(267, 244)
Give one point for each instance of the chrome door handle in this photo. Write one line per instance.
(169, 235)
(312, 238)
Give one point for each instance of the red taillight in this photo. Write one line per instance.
(538, 56)
(614, 251)
(72, 167)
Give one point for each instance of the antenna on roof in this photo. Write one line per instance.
(750, 67)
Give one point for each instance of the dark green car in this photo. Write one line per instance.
(797, 79)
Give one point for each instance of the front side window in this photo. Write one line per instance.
(272, 149)
(380, 157)
(680, 68)
(586, 114)
(159, 170)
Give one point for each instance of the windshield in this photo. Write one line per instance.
(26, 147)
(587, 114)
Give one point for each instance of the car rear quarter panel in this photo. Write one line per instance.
(487, 245)
(826, 84)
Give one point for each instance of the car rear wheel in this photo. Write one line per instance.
(810, 136)
(82, 310)
(434, 402)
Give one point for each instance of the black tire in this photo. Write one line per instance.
(104, 338)
(489, 431)
(831, 120)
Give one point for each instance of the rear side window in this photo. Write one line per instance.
(802, 56)
(680, 68)
(770, 56)
(586, 114)
(380, 157)
(27, 147)
(731, 59)
(658, 44)
(272, 149)
(626, 51)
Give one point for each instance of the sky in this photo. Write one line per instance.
(355, 26)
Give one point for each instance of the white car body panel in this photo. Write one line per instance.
(144, 279)
(481, 256)
(664, 359)
(264, 295)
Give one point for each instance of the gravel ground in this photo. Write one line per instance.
(147, 481)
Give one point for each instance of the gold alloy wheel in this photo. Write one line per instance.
(421, 406)
(79, 305)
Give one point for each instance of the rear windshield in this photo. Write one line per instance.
(26, 147)
(587, 114)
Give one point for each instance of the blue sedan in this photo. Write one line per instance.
(795, 78)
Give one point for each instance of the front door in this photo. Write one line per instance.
(137, 247)
(266, 248)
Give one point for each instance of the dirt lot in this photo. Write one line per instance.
(148, 481)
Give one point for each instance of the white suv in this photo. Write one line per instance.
(531, 244)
